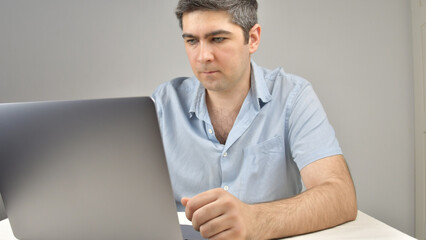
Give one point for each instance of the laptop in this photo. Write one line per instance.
(86, 169)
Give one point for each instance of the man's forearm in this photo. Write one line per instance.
(328, 204)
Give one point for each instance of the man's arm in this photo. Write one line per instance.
(329, 200)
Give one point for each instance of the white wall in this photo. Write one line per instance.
(356, 53)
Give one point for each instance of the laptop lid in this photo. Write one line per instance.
(88, 169)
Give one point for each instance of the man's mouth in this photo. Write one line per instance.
(209, 72)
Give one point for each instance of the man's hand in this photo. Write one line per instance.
(217, 214)
(329, 200)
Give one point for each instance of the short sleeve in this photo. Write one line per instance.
(311, 136)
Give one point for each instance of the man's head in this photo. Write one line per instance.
(242, 12)
(218, 49)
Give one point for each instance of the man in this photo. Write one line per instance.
(239, 139)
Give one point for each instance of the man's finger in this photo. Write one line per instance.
(200, 200)
(207, 213)
(184, 201)
(215, 226)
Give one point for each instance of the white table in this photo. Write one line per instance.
(364, 227)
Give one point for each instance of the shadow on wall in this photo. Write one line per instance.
(2, 211)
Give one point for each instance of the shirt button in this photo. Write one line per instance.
(210, 131)
(225, 154)
(226, 188)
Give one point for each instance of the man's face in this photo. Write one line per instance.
(217, 51)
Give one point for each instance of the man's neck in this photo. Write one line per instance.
(231, 99)
(224, 107)
(226, 101)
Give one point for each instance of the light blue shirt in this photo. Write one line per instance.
(281, 128)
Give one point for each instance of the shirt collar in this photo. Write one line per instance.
(258, 87)
(198, 104)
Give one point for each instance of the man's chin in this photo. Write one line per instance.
(209, 80)
(211, 85)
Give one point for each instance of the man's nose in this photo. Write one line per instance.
(205, 53)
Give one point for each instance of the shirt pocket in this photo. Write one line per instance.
(264, 171)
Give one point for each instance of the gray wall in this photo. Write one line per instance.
(357, 55)
(2, 211)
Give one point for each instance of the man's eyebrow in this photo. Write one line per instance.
(218, 32)
(187, 35)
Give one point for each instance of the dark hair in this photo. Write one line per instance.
(242, 12)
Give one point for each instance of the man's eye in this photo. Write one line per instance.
(191, 41)
(218, 39)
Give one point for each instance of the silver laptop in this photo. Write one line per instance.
(89, 169)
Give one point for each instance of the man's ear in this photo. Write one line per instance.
(254, 38)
